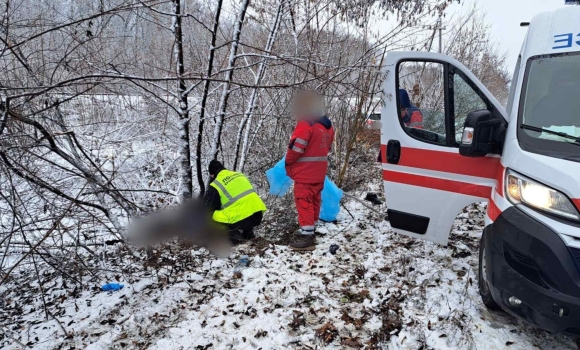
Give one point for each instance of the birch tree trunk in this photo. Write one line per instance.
(247, 119)
(204, 98)
(182, 99)
(228, 79)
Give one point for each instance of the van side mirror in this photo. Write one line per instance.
(481, 134)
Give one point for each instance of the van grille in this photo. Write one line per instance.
(524, 265)
(522, 259)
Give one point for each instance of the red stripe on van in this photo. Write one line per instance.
(383, 154)
(577, 203)
(448, 162)
(438, 184)
(492, 210)
(500, 176)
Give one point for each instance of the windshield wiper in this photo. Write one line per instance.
(548, 131)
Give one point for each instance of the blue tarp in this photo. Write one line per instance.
(280, 183)
(331, 196)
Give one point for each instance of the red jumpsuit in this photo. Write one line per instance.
(412, 118)
(306, 164)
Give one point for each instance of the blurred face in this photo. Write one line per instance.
(308, 105)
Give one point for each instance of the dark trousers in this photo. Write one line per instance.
(243, 230)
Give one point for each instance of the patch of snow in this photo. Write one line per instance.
(380, 289)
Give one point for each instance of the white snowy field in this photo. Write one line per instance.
(380, 291)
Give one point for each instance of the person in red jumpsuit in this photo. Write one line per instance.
(307, 162)
(410, 115)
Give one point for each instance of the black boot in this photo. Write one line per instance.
(249, 234)
(237, 237)
(303, 242)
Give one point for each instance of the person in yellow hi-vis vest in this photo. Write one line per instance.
(234, 202)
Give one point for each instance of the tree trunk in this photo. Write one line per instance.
(182, 99)
(228, 80)
(247, 119)
(205, 97)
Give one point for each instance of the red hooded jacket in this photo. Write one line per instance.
(307, 155)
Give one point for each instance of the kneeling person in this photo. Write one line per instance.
(234, 202)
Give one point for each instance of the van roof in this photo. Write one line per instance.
(553, 32)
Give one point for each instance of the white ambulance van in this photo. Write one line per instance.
(448, 143)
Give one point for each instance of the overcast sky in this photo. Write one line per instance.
(505, 17)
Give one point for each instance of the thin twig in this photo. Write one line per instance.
(16, 340)
(364, 204)
(59, 323)
(54, 226)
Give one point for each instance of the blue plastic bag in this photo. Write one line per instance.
(331, 196)
(111, 287)
(280, 183)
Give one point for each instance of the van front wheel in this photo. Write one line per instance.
(484, 290)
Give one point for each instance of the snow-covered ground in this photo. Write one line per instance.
(380, 290)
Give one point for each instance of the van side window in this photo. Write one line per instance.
(434, 100)
(465, 101)
(421, 100)
(513, 87)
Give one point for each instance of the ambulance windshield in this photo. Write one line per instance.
(551, 107)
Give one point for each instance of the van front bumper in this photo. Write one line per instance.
(529, 261)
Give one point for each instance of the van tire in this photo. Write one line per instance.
(484, 290)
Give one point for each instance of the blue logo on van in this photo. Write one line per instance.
(565, 41)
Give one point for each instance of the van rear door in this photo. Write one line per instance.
(427, 182)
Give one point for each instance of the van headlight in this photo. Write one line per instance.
(522, 190)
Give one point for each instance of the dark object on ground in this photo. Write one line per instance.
(362, 202)
(333, 248)
(303, 243)
(373, 198)
(113, 241)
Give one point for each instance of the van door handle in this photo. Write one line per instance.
(393, 152)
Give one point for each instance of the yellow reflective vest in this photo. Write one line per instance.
(238, 198)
